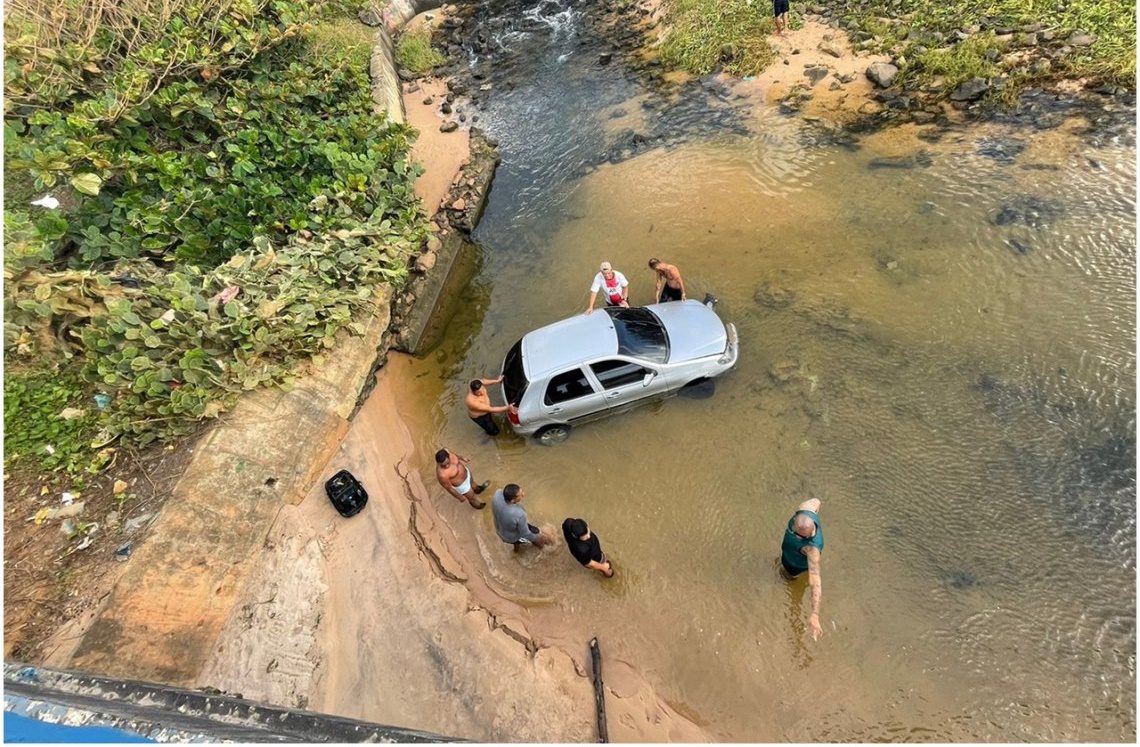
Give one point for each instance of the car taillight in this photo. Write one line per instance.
(513, 416)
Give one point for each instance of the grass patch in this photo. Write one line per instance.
(414, 52)
(1112, 58)
(958, 64)
(704, 34)
(346, 35)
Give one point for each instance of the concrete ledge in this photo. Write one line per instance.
(169, 714)
(162, 618)
(382, 66)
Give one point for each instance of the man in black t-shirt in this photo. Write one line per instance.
(585, 547)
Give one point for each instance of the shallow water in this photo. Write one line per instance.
(944, 354)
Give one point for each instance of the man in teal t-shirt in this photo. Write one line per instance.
(801, 550)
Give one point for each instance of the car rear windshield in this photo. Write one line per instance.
(640, 333)
(514, 378)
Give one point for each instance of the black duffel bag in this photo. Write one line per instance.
(348, 496)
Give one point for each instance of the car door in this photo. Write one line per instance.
(625, 382)
(571, 396)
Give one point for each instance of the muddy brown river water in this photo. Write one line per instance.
(938, 341)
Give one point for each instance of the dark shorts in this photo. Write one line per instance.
(487, 423)
(669, 294)
(779, 7)
(793, 572)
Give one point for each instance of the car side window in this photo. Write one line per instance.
(613, 374)
(567, 386)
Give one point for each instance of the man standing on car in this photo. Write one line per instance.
(455, 476)
(801, 551)
(670, 285)
(613, 284)
(585, 547)
(479, 407)
(510, 519)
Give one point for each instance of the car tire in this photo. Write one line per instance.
(702, 388)
(552, 435)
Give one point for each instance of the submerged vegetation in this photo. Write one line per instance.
(221, 199)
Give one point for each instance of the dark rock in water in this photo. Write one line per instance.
(445, 107)
(1040, 167)
(1028, 210)
(785, 371)
(815, 74)
(618, 113)
(961, 579)
(1018, 246)
(971, 90)
(893, 162)
(605, 57)
(927, 207)
(449, 127)
(1003, 150)
(774, 297)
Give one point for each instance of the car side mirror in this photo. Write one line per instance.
(648, 378)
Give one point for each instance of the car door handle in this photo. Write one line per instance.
(556, 409)
(613, 395)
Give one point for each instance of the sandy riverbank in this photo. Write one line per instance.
(374, 617)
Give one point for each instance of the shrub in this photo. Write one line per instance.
(414, 51)
(219, 229)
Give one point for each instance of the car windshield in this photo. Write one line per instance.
(514, 378)
(640, 333)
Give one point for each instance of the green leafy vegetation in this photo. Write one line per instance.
(415, 53)
(48, 421)
(228, 199)
(706, 34)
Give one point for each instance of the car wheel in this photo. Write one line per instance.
(552, 435)
(701, 388)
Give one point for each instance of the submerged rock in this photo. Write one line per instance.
(1028, 210)
(1003, 150)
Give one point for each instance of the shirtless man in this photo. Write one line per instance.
(670, 285)
(455, 476)
(479, 407)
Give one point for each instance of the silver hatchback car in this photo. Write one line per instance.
(592, 365)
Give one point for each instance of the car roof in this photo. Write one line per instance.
(572, 341)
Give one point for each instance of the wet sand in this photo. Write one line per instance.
(373, 617)
(442, 154)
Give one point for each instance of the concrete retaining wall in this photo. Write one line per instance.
(385, 79)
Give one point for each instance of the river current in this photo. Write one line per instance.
(938, 341)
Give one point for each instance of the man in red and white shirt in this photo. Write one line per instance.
(613, 286)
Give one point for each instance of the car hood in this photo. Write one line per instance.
(694, 330)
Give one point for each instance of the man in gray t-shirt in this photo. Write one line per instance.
(510, 519)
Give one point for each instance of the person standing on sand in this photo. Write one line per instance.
(670, 284)
(585, 547)
(801, 551)
(780, 11)
(510, 519)
(455, 476)
(613, 284)
(479, 407)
